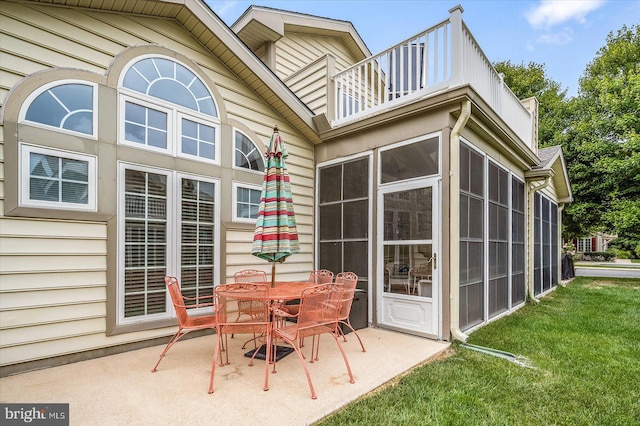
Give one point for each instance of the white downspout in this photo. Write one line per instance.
(454, 227)
(531, 225)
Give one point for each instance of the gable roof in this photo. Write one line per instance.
(551, 158)
(259, 24)
(196, 17)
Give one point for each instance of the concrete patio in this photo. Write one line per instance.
(121, 390)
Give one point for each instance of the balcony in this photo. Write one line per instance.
(438, 59)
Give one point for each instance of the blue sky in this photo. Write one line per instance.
(562, 34)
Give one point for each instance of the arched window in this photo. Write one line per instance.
(247, 154)
(170, 81)
(168, 108)
(68, 106)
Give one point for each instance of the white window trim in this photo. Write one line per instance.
(171, 243)
(174, 267)
(584, 244)
(174, 126)
(33, 95)
(257, 146)
(155, 106)
(216, 141)
(237, 185)
(24, 175)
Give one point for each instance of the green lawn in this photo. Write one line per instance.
(582, 343)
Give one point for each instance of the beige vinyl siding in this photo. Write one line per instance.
(310, 84)
(550, 192)
(53, 273)
(52, 285)
(296, 50)
(1, 173)
(302, 63)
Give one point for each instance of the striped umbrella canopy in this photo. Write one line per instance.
(275, 237)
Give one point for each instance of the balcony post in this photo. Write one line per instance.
(332, 95)
(457, 69)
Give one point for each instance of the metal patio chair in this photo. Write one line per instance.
(187, 323)
(318, 314)
(255, 320)
(348, 280)
(244, 307)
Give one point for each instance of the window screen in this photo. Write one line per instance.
(498, 240)
(410, 161)
(545, 244)
(344, 218)
(471, 238)
(518, 285)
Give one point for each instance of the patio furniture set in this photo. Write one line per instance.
(286, 312)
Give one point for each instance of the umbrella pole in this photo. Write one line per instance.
(273, 274)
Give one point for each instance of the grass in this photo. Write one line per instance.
(582, 344)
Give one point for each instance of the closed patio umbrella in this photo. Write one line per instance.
(275, 237)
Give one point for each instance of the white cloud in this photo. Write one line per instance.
(562, 37)
(552, 12)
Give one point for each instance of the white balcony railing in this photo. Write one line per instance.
(439, 58)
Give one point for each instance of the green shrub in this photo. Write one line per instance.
(622, 254)
(602, 256)
(637, 250)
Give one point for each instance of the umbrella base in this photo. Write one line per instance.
(281, 352)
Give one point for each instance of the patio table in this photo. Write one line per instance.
(282, 291)
(288, 290)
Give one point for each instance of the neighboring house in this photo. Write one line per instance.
(132, 135)
(598, 242)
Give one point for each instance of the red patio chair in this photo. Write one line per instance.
(255, 320)
(318, 314)
(187, 323)
(348, 280)
(319, 276)
(245, 306)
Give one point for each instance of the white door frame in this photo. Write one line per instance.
(418, 315)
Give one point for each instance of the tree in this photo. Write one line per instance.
(531, 80)
(599, 132)
(603, 141)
